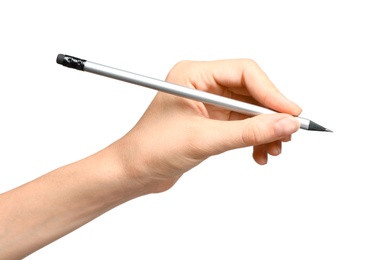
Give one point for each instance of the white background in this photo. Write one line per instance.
(315, 201)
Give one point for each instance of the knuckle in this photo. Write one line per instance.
(252, 135)
(250, 63)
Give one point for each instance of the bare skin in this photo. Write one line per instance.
(173, 136)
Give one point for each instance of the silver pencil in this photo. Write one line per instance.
(178, 90)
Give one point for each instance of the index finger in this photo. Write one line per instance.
(245, 75)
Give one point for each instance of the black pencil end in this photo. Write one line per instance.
(60, 59)
(71, 62)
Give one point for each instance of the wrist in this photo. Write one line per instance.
(139, 167)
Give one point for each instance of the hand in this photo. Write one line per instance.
(176, 134)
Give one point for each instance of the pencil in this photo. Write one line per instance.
(178, 90)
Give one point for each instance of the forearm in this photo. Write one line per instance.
(43, 210)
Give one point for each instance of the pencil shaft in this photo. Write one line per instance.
(178, 90)
(182, 91)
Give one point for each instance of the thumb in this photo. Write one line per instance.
(261, 129)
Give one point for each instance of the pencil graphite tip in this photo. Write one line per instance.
(316, 127)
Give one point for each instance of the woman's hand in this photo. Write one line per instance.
(176, 134)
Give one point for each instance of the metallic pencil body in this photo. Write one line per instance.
(174, 89)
